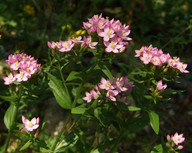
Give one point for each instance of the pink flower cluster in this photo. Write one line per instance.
(115, 91)
(175, 139)
(22, 66)
(114, 34)
(30, 125)
(66, 46)
(149, 54)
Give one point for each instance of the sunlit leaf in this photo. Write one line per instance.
(8, 118)
(26, 145)
(61, 96)
(154, 121)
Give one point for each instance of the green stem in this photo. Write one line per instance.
(177, 36)
(114, 147)
(15, 111)
(63, 80)
(61, 132)
(73, 104)
(68, 118)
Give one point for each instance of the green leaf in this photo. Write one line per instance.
(68, 142)
(11, 99)
(73, 75)
(148, 97)
(157, 149)
(26, 145)
(133, 108)
(128, 108)
(62, 98)
(8, 118)
(103, 147)
(95, 151)
(154, 121)
(78, 110)
(45, 150)
(106, 71)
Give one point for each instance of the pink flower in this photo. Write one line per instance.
(9, 80)
(77, 40)
(87, 42)
(36, 135)
(146, 58)
(181, 67)
(54, 45)
(180, 147)
(156, 61)
(88, 97)
(177, 139)
(66, 46)
(95, 94)
(22, 76)
(113, 47)
(23, 66)
(30, 125)
(160, 86)
(168, 137)
(111, 94)
(173, 62)
(107, 34)
(120, 84)
(14, 66)
(124, 32)
(12, 59)
(165, 58)
(106, 84)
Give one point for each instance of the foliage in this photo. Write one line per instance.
(110, 97)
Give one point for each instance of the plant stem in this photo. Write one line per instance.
(15, 111)
(73, 104)
(68, 118)
(63, 80)
(114, 147)
(171, 40)
(61, 132)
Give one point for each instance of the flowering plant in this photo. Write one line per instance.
(78, 75)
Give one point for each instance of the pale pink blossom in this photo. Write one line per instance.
(88, 42)
(106, 84)
(156, 61)
(107, 34)
(173, 62)
(111, 94)
(30, 125)
(9, 80)
(113, 47)
(160, 86)
(22, 76)
(120, 84)
(95, 94)
(177, 139)
(15, 66)
(23, 66)
(146, 58)
(77, 40)
(54, 45)
(88, 97)
(182, 67)
(66, 46)
(165, 58)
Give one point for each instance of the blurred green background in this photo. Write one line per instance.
(27, 25)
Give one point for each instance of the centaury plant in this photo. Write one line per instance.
(104, 107)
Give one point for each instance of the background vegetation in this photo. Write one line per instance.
(27, 25)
